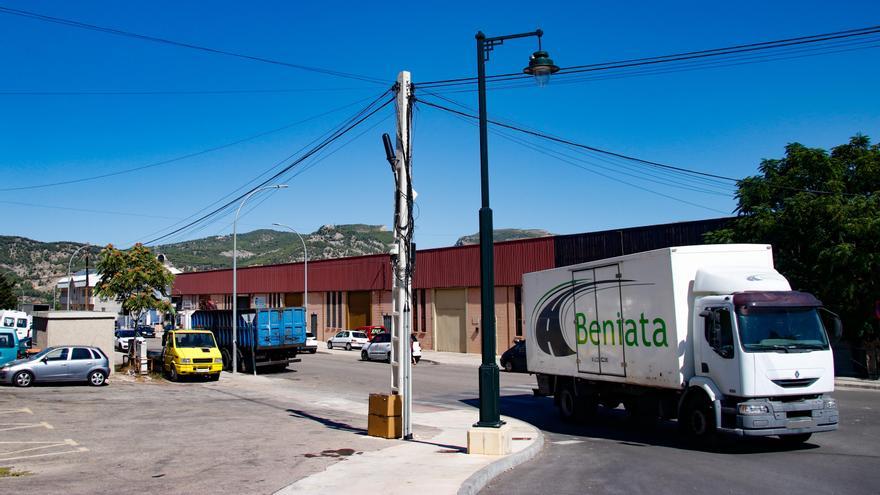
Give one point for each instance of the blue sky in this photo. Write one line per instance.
(721, 120)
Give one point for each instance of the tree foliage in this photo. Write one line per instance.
(8, 297)
(135, 278)
(821, 213)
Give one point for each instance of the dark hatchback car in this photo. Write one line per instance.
(146, 331)
(514, 359)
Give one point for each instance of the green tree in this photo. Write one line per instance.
(135, 278)
(8, 297)
(821, 213)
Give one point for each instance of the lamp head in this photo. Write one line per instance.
(541, 66)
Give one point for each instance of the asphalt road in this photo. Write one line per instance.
(612, 455)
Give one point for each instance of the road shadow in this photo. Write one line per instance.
(329, 423)
(618, 426)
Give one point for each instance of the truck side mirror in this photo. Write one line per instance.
(836, 324)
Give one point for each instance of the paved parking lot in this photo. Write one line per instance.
(225, 437)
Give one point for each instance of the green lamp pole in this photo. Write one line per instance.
(540, 66)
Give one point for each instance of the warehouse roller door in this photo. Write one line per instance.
(450, 308)
(358, 309)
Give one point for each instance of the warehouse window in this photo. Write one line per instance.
(517, 303)
(334, 309)
(419, 318)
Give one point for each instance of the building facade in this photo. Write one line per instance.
(353, 292)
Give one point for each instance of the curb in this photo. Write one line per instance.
(856, 386)
(481, 478)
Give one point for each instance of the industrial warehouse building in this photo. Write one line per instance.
(353, 292)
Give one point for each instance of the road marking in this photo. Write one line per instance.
(567, 442)
(76, 451)
(16, 411)
(20, 426)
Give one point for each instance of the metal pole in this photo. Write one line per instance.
(69, 280)
(235, 274)
(489, 412)
(305, 266)
(401, 354)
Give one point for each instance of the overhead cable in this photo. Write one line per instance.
(155, 39)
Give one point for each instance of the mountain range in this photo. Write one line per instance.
(34, 266)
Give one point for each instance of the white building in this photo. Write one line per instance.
(77, 293)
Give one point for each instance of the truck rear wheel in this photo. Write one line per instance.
(573, 408)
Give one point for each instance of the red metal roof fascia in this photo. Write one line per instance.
(459, 266)
(371, 272)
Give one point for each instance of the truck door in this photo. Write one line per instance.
(609, 317)
(583, 289)
(718, 356)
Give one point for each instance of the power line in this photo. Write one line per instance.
(578, 145)
(324, 144)
(182, 157)
(155, 39)
(675, 57)
(163, 92)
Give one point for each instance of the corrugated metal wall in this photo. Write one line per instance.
(347, 274)
(579, 248)
(460, 266)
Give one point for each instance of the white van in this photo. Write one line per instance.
(16, 320)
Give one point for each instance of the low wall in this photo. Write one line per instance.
(56, 328)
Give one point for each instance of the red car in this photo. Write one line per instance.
(371, 330)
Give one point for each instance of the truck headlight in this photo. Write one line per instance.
(830, 403)
(185, 361)
(218, 360)
(752, 409)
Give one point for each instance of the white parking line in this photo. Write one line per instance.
(16, 411)
(48, 445)
(76, 451)
(21, 426)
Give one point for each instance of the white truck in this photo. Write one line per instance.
(712, 335)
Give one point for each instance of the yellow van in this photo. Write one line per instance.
(191, 352)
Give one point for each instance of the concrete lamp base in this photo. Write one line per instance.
(489, 441)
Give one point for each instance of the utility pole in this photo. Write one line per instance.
(86, 308)
(401, 354)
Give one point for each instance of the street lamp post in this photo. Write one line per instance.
(540, 66)
(234, 356)
(305, 266)
(69, 279)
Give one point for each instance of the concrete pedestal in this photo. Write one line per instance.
(489, 441)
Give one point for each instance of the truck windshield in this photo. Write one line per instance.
(194, 340)
(780, 329)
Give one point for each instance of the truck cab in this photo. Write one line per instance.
(191, 352)
(9, 346)
(762, 357)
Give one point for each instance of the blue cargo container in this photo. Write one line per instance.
(266, 337)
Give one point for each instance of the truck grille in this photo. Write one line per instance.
(795, 382)
(203, 360)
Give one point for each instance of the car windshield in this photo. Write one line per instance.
(39, 355)
(781, 329)
(194, 340)
(359, 335)
(125, 333)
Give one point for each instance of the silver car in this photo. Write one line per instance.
(59, 364)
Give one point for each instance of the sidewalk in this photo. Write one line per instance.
(845, 383)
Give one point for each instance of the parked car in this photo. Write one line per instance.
(311, 344)
(514, 359)
(348, 339)
(146, 331)
(372, 330)
(379, 348)
(59, 364)
(124, 338)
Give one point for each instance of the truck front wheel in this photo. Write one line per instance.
(698, 418)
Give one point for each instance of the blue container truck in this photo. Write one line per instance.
(266, 337)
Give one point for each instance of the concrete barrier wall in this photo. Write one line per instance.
(57, 328)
